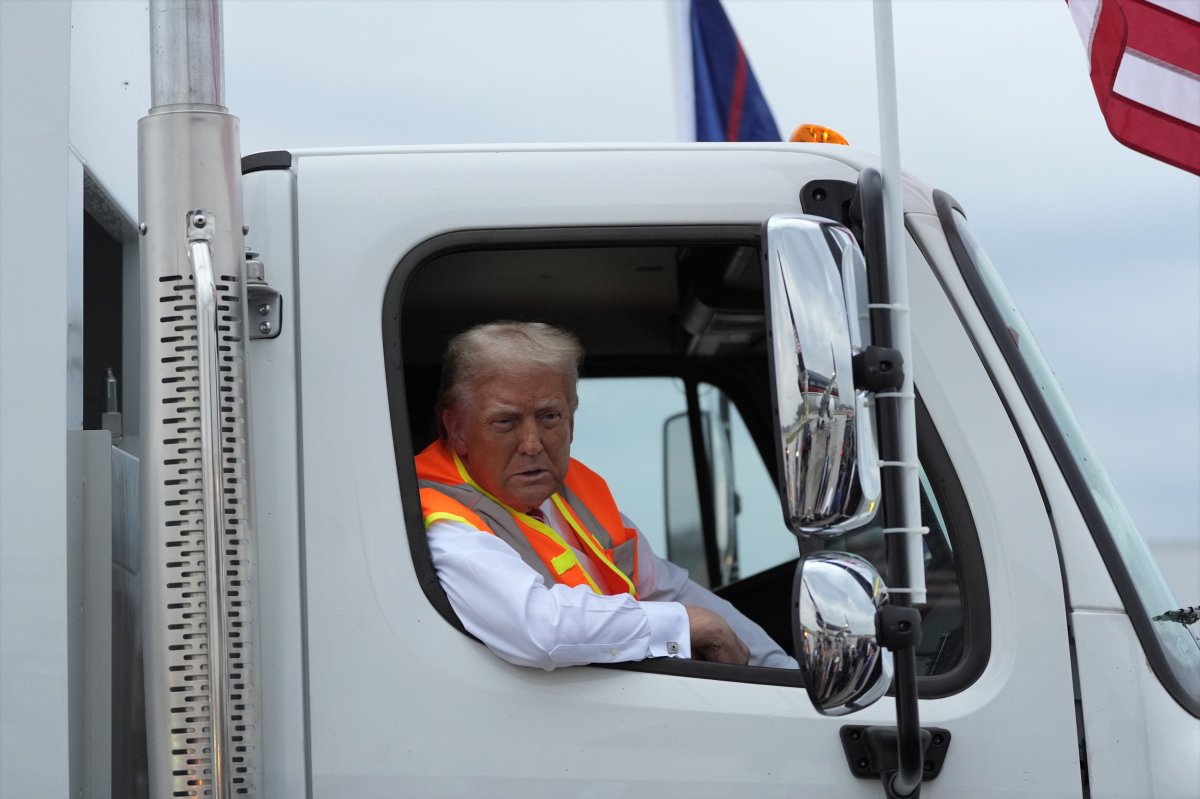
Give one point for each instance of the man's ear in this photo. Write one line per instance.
(454, 431)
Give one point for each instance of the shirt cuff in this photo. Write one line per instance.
(670, 633)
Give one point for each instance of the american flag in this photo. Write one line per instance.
(1145, 68)
(729, 105)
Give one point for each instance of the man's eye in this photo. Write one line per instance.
(551, 416)
(502, 424)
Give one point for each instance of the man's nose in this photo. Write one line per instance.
(530, 438)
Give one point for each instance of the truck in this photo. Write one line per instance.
(237, 598)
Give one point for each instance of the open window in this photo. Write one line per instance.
(674, 403)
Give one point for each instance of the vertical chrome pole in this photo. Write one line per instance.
(186, 55)
(680, 22)
(197, 539)
(893, 214)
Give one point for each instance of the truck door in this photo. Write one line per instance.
(663, 289)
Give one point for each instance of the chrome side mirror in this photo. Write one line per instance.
(828, 461)
(834, 600)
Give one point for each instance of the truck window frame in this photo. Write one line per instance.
(972, 579)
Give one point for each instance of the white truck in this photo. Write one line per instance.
(286, 345)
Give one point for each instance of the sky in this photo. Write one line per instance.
(1099, 245)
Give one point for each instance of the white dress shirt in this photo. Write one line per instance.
(506, 604)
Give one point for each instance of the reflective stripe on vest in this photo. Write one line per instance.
(449, 493)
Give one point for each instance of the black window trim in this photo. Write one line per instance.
(977, 640)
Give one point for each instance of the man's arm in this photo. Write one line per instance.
(506, 604)
(662, 580)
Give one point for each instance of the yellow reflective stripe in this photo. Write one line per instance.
(442, 516)
(568, 555)
(561, 562)
(564, 562)
(591, 542)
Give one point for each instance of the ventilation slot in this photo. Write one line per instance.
(180, 507)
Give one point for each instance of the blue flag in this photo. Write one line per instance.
(729, 104)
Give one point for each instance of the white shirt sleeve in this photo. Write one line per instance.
(662, 580)
(506, 604)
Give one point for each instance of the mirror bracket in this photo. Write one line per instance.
(898, 627)
(871, 752)
(878, 369)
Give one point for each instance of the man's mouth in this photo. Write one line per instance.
(530, 474)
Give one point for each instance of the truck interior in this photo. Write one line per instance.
(679, 302)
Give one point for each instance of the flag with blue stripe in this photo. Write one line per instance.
(729, 103)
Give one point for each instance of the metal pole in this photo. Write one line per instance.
(680, 21)
(893, 200)
(198, 561)
(186, 54)
(905, 561)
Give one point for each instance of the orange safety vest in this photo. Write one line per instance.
(449, 493)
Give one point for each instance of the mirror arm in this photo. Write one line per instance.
(871, 752)
(899, 629)
(905, 783)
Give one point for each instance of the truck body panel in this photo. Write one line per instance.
(367, 617)
(368, 688)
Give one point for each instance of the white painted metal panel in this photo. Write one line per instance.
(275, 456)
(1087, 576)
(34, 183)
(110, 91)
(394, 691)
(1030, 659)
(1140, 741)
(90, 599)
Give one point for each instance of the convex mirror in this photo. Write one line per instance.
(827, 457)
(834, 601)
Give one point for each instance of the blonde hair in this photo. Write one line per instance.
(502, 348)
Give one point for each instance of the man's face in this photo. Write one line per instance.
(514, 436)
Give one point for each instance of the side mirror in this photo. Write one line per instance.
(710, 558)
(828, 463)
(835, 597)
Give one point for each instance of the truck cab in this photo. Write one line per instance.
(1044, 655)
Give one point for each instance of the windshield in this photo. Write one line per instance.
(1166, 641)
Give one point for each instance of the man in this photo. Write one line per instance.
(529, 545)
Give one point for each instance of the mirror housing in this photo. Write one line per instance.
(827, 456)
(835, 598)
(688, 539)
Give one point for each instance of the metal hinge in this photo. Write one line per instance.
(264, 317)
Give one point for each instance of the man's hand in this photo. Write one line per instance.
(713, 639)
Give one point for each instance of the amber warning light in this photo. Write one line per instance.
(818, 134)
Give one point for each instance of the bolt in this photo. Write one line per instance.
(265, 328)
(929, 766)
(245, 229)
(142, 228)
(862, 763)
(264, 309)
(938, 740)
(200, 220)
(855, 735)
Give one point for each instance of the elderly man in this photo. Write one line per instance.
(528, 543)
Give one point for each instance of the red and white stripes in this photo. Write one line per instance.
(1145, 68)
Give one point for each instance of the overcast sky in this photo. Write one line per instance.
(1099, 245)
